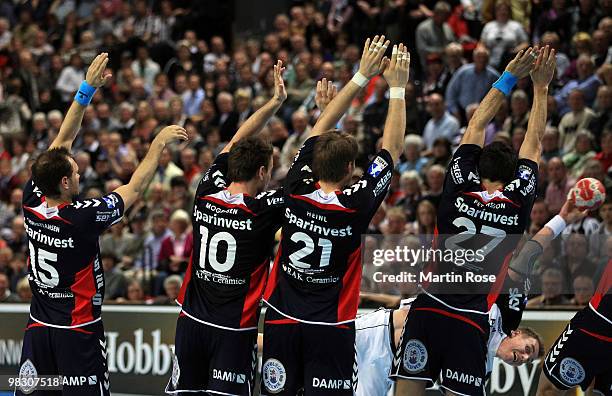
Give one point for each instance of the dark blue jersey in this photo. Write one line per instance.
(233, 237)
(317, 271)
(64, 269)
(469, 217)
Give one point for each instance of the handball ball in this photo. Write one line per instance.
(588, 193)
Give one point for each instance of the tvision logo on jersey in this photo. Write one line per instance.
(274, 375)
(377, 166)
(415, 356)
(571, 371)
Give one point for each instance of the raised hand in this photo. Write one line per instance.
(96, 76)
(523, 62)
(325, 92)
(544, 70)
(171, 133)
(372, 61)
(280, 93)
(398, 70)
(571, 214)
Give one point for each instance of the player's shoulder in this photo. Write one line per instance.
(266, 200)
(100, 206)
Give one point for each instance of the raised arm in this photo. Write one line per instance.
(396, 76)
(259, 119)
(325, 92)
(145, 171)
(541, 76)
(518, 68)
(372, 63)
(522, 265)
(95, 78)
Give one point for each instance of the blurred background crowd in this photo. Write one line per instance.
(184, 62)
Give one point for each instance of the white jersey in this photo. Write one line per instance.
(375, 341)
(496, 335)
(375, 349)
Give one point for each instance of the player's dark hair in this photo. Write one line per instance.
(49, 169)
(246, 157)
(531, 333)
(333, 152)
(497, 163)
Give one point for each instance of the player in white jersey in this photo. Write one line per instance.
(379, 332)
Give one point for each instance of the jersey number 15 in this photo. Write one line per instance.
(43, 271)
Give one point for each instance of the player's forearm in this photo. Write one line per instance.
(70, 126)
(256, 122)
(145, 171)
(536, 126)
(395, 126)
(475, 132)
(522, 265)
(336, 109)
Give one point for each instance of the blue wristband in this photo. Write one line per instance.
(84, 94)
(505, 83)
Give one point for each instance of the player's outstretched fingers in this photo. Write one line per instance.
(394, 53)
(552, 58)
(373, 45)
(366, 47)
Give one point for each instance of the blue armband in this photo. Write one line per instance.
(84, 94)
(505, 83)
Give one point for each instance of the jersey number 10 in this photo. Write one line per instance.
(212, 246)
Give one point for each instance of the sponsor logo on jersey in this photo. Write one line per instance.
(221, 221)
(228, 376)
(56, 295)
(328, 383)
(415, 356)
(463, 378)
(571, 371)
(310, 225)
(92, 380)
(27, 370)
(271, 201)
(382, 184)
(529, 188)
(463, 207)
(456, 172)
(38, 236)
(274, 375)
(377, 166)
(103, 217)
(221, 279)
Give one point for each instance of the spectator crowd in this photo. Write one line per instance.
(169, 69)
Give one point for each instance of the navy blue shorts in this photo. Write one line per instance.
(78, 355)
(211, 359)
(583, 352)
(309, 358)
(442, 343)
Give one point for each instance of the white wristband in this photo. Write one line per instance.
(360, 79)
(397, 93)
(557, 225)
